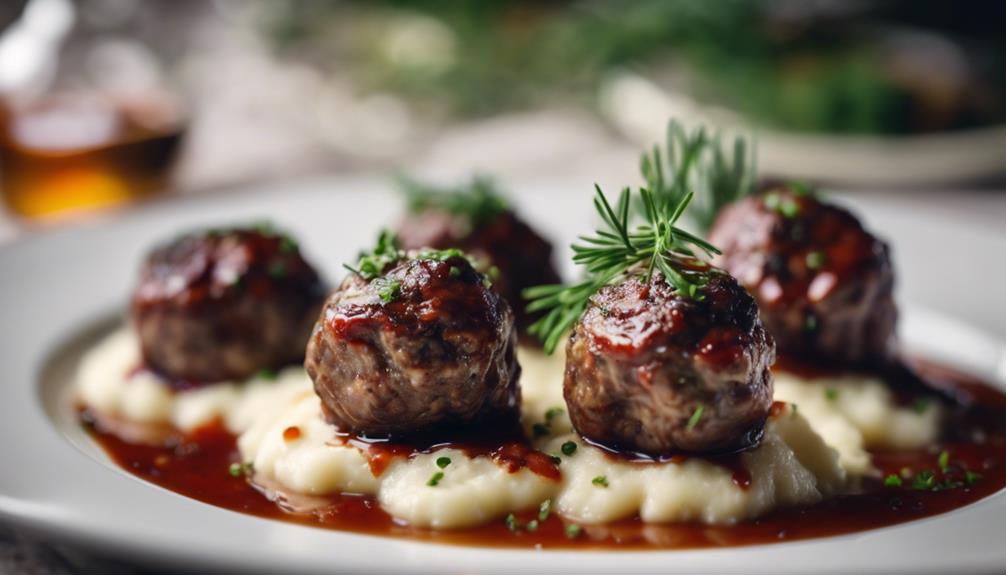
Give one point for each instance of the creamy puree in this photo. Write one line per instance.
(813, 448)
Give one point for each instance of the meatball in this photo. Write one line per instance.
(426, 344)
(225, 304)
(823, 283)
(522, 257)
(653, 372)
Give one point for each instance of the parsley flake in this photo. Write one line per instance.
(696, 416)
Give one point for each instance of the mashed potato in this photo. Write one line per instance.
(107, 381)
(812, 449)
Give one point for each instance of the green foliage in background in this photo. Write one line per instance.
(478, 57)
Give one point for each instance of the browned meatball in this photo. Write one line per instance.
(823, 283)
(652, 372)
(425, 344)
(224, 304)
(501, 238)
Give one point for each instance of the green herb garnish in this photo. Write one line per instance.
(544, 509)
(435, 479)
(568, 448)
(287, 244)
(618, 251)
(830, 393)
(277, 269)
(388, 288)
(699, 161)
(553, 412)
(925, 479)
(443, 462)
(267, 374)
(511, 522)
(600, 481)
(385, 253)
(816, 260)
(944, 460)
(241, 469)
(539, 430)
(573, 531)
(478, 201)
(892, 480)
(921, 404)
(696, 416)
(532, 525)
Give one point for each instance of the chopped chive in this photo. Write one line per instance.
(277, 270)
(435, 479)
(924, 480)
(267, 374)
(970, 477)
(921, 405)
(553, 412)
(443, 462)
(539, 430)
(455, 272)
(555, 459)
(810, 324)
(511, 522)
(287, 245)
(532, 525)
(696, 416)
(573, 531)
(772, 201)
(241, 469)
(544, 509)
(816, 260)
(388, 289)
(892, 480)
(600, 481)
(789, 208)
(831, 393)
(568, 448)
(944, 460)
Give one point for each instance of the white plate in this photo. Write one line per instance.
(630, 101)
(57, 482)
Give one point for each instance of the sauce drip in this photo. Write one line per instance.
(975, 440)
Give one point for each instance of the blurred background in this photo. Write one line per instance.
(107, 102)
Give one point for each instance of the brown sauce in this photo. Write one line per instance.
(198, 466)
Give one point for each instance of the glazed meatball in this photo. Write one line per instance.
(425, 344)
(652, 372)
(522, 257)
(824, 284)
(225, 304)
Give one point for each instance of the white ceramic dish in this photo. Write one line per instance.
(630, 101)
(58, 288)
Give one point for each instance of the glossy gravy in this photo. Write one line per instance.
(974, 467)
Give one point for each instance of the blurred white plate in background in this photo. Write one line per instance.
(630, 101)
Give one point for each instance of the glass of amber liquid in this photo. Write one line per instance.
(80, 151)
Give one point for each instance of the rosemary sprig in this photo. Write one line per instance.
(478, 200)
(699, 161)
(617, 251)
